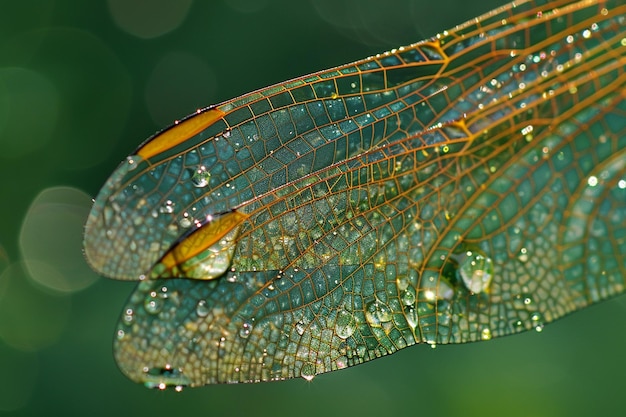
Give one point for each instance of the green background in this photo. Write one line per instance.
(82, 83)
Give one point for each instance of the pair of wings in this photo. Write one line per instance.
(462, 188)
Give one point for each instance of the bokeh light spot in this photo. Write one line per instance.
(31, 320)
(29, 105)
(94, 94)
(51, 240)
(360, 20)
(148, 18)
(247, 6)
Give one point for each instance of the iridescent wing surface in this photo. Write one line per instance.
(462, 188)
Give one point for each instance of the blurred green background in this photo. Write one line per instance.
(82, 83)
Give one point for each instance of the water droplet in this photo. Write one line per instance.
(523, 255)
(485, 334)
(411, 317)
(132, 162)
(341, 362)
(537, 320)
(201, 177)
(166, 377)
(408, 296)
(475, 270)
(301, 326)
(167, 207)
(153, 303)
(185, 221)
(307, 371)
(360, 351)
(376, 313)
(202, 309)
(246, 329)
(345, 325)
(129, 316)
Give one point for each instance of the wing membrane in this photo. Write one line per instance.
(459, 189)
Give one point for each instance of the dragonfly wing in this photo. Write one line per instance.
(456, 190)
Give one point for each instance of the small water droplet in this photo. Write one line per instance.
(132, 162)
(307, 371)
(523, 255)
(376, 313)
(246, 329)
(202, 309)
(537, 320)
(129, 316)
(341, 362)
(408, 296)
(167, 207)
(301, 327)
(345, 325)
(185, 221)
(485, 334)
(153, 303)
(360, 351)
(201, 177)
(403, 283)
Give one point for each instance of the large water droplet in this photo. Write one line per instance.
(165, 377)
(201, 177)
(345, 325)
(411, 317)
(377, 312)
(307, 371)
(475, 270)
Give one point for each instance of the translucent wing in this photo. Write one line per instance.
(458, 189)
